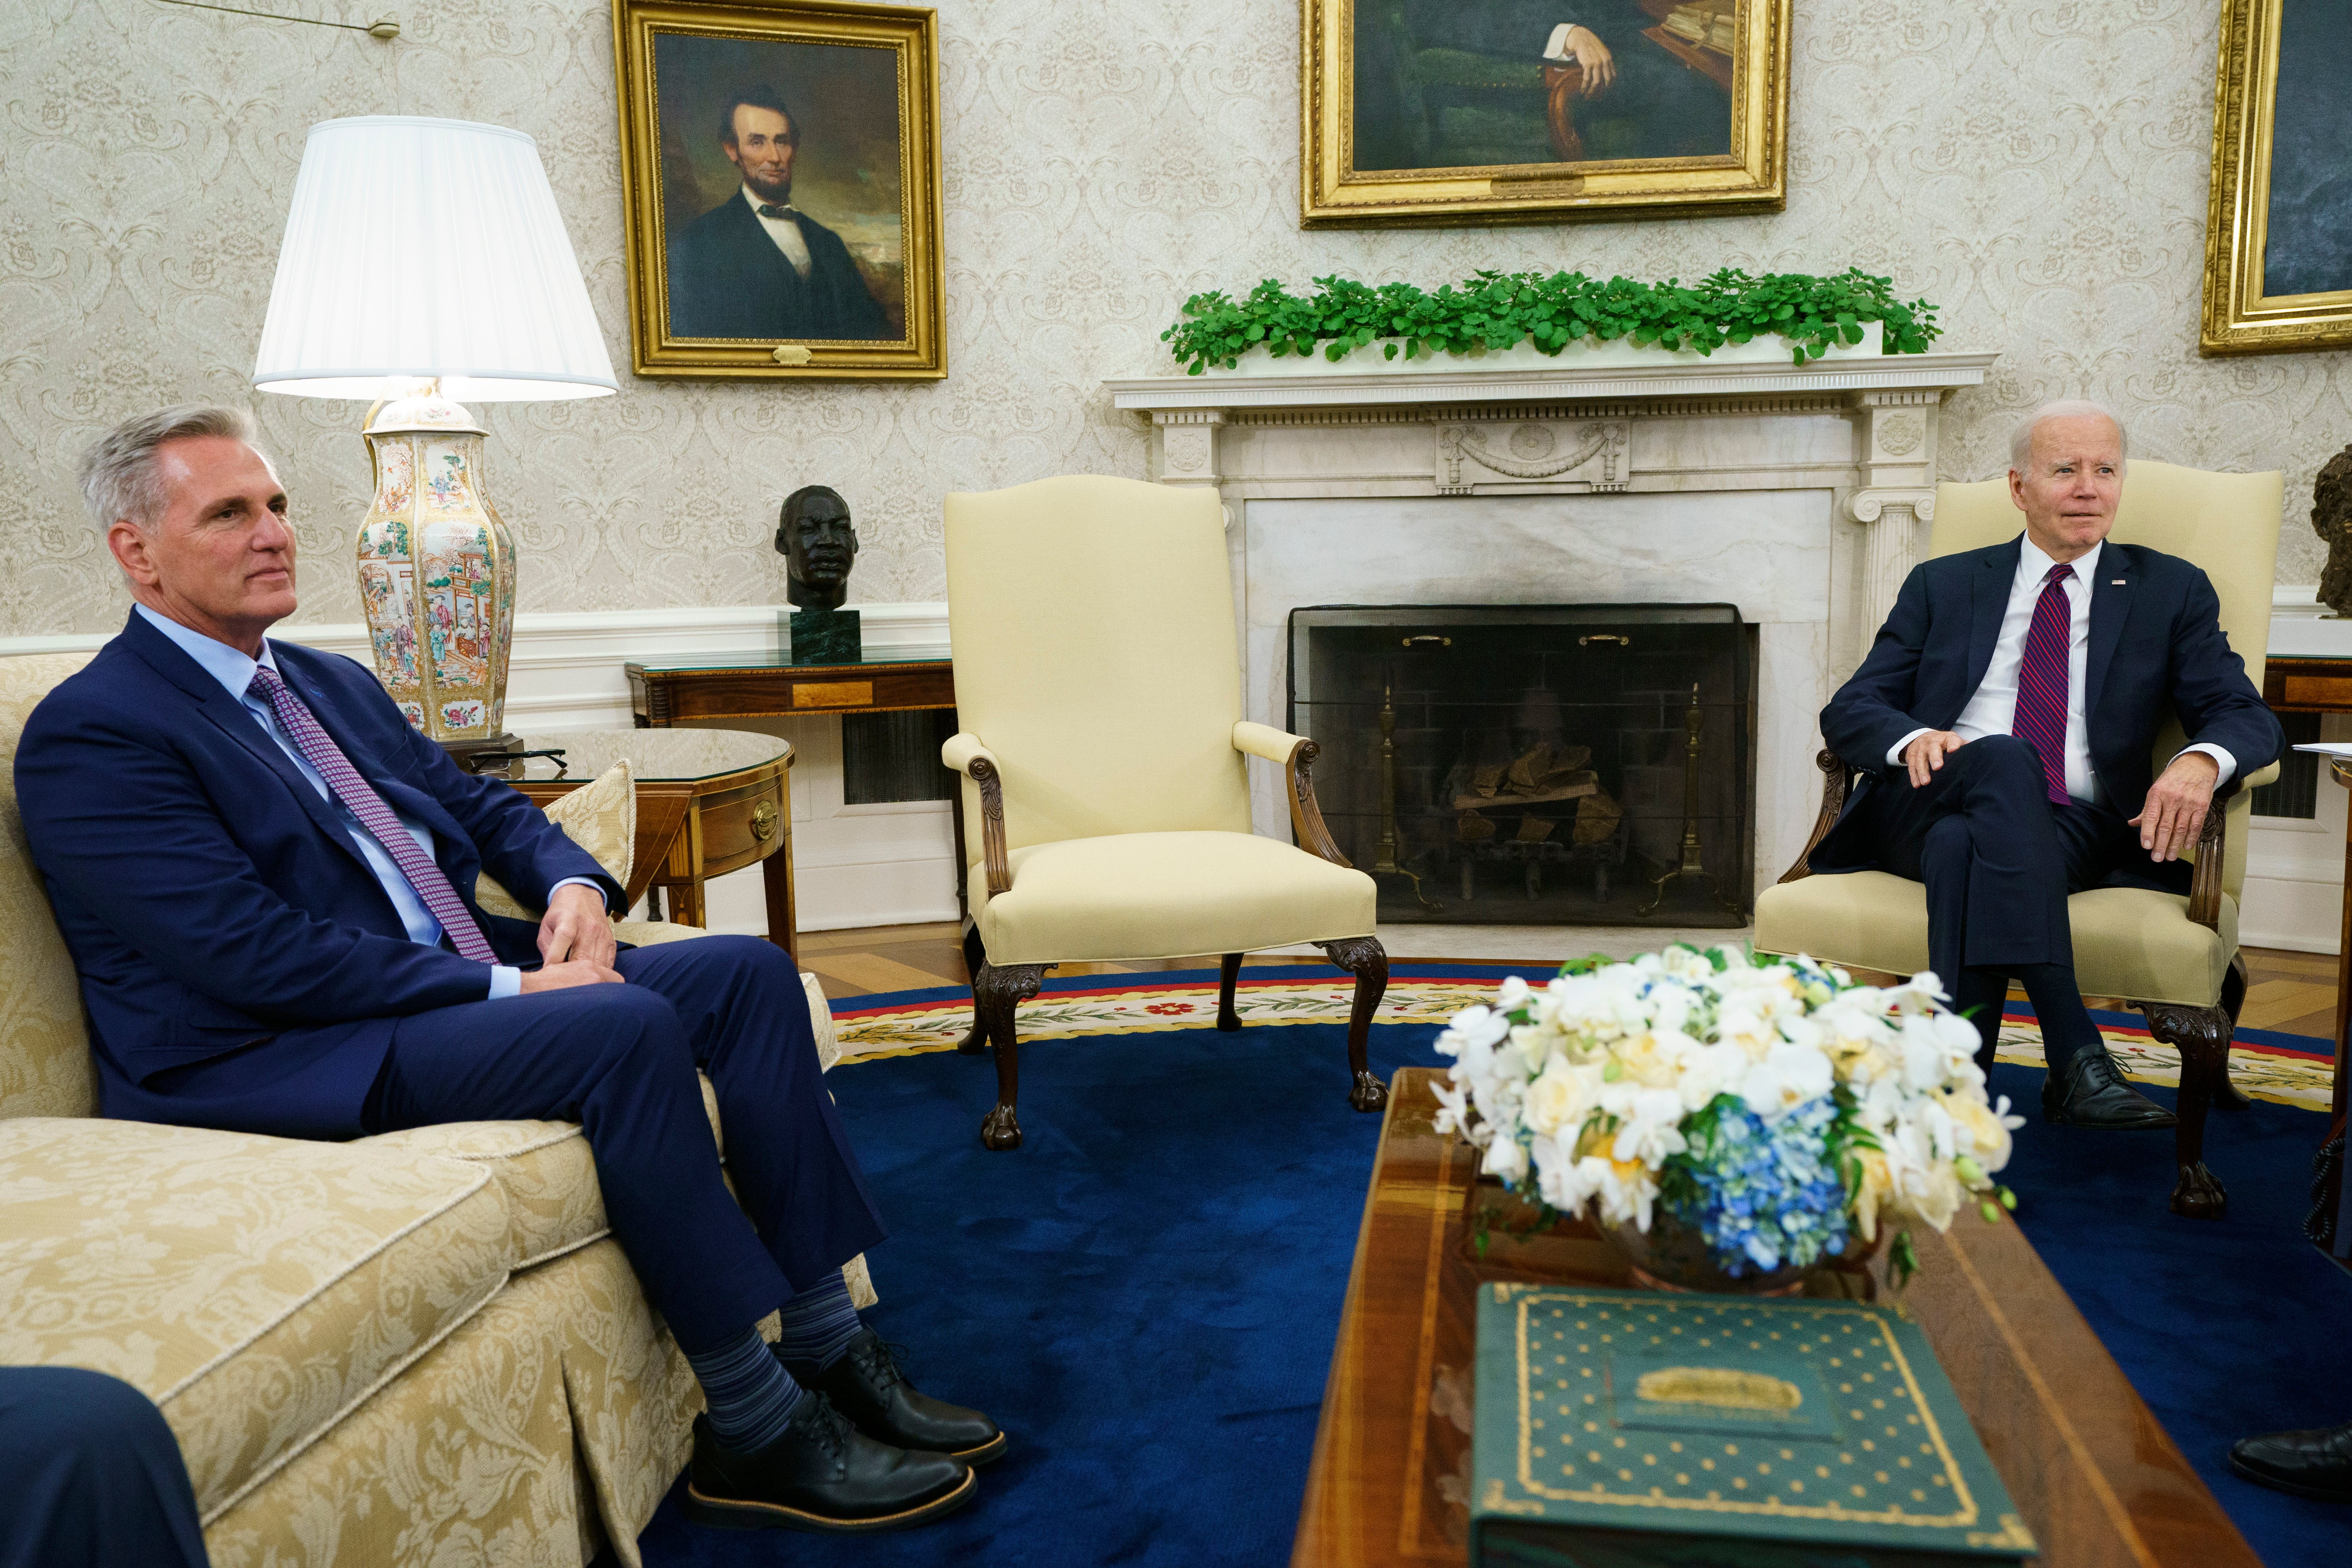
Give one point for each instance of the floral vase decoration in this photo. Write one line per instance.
(1733, 1125)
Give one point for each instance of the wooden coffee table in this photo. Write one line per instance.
(2096, 1477)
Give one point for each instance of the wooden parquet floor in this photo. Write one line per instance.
(2291, 992)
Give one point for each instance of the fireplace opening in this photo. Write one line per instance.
(1560, 764)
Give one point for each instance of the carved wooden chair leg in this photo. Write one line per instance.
(996, 991)
(2227, 1095)
(2202, 1036)
(1363, 957)
(1229, 970)
(975, 959)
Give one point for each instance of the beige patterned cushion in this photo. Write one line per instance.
(44, 1050)
(257, 1288)
(601, 817)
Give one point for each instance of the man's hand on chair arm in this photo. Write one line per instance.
(576, 939)
(2174, 812)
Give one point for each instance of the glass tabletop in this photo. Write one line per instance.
(667, 755)
(769, 658)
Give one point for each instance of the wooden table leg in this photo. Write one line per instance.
(776, 874)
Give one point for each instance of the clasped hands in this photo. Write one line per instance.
(575, 942)
(2169, 820)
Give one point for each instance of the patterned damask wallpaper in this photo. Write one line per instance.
(2038, 167)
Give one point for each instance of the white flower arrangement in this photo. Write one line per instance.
(1778, 1109)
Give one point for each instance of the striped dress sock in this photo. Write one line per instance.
(752, 1396)
(819, 1323)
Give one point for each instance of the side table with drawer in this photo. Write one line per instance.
(708, 802)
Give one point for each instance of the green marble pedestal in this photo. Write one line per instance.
(825, 637)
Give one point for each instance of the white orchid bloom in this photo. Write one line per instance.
(1504, 1160)
(1651, 1132)
(1789, 1077)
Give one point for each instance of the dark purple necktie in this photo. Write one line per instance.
(356, 792)
(2042, 681)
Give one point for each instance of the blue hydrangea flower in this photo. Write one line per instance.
(1768, 1195)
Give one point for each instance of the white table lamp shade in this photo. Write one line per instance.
(428, 247)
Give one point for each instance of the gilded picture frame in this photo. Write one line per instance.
(779, 189)
(1427, 111)
(2278, 224)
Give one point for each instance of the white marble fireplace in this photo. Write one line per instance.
(1800, 494)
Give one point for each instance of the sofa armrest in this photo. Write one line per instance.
(967, 756)
(1297, 754)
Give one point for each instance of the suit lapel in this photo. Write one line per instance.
(2111, 593)
(792, 290)
(1987, 603)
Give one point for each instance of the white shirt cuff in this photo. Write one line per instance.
(575, 882)
(2221, 759)
(505, 980)
(1895, 752)
(1557, 48)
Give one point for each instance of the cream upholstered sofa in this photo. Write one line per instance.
(419, 1348)
(2175, 958)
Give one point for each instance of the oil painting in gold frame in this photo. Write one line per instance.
(780, 187)
(2278, 223)
(1431, 112)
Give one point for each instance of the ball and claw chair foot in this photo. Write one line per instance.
(2200, 1195)
(1001, 1130)
(1363, 957)
(996, 990)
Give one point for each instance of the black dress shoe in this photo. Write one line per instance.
(821, 1474)
(2090, 1091)
(864, 1383)
(2316, 1464)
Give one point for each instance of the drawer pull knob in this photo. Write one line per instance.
(764, 821)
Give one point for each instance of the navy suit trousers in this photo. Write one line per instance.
(90, 1476)
(620, 1061)
(1998, 857)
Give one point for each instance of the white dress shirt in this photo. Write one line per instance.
(785, 231)
(235, 672)
(1993, 710)
(1556, 49)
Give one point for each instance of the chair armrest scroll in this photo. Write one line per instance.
(1297, 754)
(1834, 789)
(2205, 885)
(967, 756)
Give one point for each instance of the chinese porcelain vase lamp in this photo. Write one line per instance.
(425, 267)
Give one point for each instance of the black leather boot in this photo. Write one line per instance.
(864, 1383)
(2090, 1091)
(2315, 1463)
(821, 1474)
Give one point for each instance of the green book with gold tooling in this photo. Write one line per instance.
(1650, 1429)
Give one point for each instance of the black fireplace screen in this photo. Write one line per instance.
(1573, 764)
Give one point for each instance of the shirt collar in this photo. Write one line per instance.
(757, 204)
(2034, 566)
(222, 662)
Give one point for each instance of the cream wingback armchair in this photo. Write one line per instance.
(2175, 959)
(1105, 756)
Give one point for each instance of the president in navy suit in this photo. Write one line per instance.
(2002, 724)
(757, 266)
(266, 877)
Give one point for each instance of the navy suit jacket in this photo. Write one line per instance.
(217, 910)
(2156, 646)
(728, 279)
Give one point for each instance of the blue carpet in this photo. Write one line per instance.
(1145, 1294)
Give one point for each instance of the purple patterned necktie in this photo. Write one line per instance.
(440, 899)
(2042, 681)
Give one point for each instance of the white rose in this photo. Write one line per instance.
(1561, 1098)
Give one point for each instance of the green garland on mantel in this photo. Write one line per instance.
(1499, 310)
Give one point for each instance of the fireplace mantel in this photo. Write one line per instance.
(1799, 492)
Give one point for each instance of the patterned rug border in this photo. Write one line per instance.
(917, 1023)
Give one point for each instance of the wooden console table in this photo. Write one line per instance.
(2099, 1483)
(715, 687)
(2325, 685)
(708, 802)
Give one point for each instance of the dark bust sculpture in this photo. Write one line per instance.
(2331, 518)
(819, 544)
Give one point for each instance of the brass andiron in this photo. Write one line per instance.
(1692, 866)
(1385, 863)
